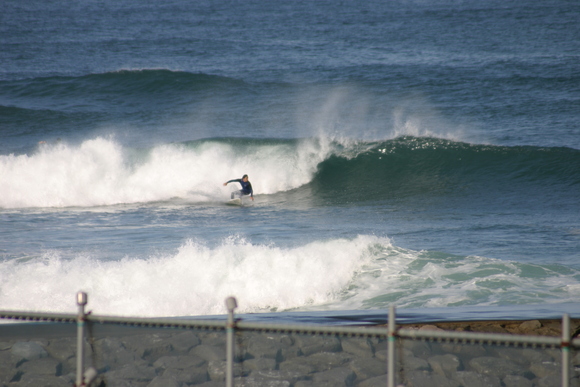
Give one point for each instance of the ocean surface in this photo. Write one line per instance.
(420, 153)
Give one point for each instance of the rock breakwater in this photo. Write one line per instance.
(178, 358)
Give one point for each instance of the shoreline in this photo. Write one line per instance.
(536, 327)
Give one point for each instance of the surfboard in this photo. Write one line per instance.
(235, 202)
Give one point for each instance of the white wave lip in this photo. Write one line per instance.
(99, 172)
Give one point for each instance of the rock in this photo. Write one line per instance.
(132, 373)
(162, 381)
(427, 379)
(335, 377)
(318, 344)
(28, 350)
(366, 368)
(473, 379)
(494, 366)
(209, 352)
(217, 370)
(252, 381)
(185, 341)
(178, 362)
(45, 367)
(31, 380)
(516, 381)
(116, 352)
(300, 365)
(412, 363)
(419, 348)
(266, 346)
(280, 376)
(445, 365)
(63, 349)
(430, 328)
(260, 364)
(360, 347)
(373, 382)
(550, 381)
(187, 376)
(529, 327)
(545, 368)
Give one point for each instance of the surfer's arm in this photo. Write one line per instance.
(231, 181)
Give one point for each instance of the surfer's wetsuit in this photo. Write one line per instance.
(246, 188)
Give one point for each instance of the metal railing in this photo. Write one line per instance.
(232, 326)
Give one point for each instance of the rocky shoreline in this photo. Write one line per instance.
(44, 355)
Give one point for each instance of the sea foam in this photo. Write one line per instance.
(364, 272)
(101, 172)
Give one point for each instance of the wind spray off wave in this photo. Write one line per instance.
(101, 172)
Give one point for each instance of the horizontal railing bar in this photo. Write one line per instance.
(490, 337)
(299, 329)
(312, 329)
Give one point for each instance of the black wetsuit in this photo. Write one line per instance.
(246, 187)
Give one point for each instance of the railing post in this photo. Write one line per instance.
(231, 304)
(391, 348)
(565, 350)
(81, 302)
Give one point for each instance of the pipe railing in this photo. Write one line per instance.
(231, 326)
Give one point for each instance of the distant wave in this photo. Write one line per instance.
(122, 87)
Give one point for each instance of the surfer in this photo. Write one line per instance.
(246, 187)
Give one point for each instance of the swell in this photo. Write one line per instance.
(409, 166)
(119, 88)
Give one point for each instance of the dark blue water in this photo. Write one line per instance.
(418, 153)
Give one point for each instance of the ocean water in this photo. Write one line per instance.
(418, 153)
